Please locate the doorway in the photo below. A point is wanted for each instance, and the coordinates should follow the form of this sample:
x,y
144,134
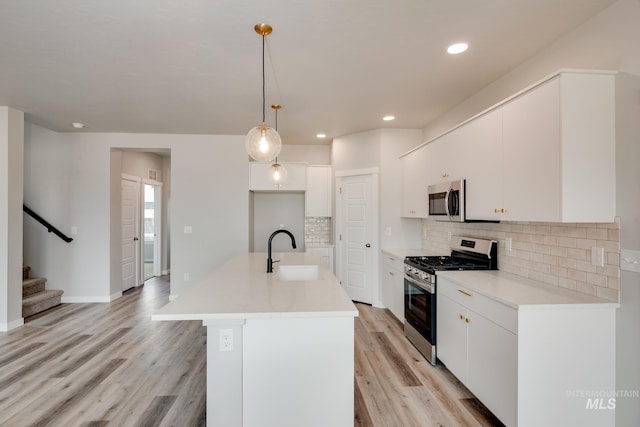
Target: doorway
x,y
130,207
357,237
152,225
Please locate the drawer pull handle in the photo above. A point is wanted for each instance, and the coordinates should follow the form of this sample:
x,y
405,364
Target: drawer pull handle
x,y
467,320
461,317
464,293
391,273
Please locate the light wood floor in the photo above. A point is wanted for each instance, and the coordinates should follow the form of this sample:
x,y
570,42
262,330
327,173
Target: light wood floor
x,y
108,364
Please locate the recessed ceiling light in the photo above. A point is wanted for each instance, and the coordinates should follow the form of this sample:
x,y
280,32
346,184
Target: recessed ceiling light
x,y
321,135
457,48
77,125
388,118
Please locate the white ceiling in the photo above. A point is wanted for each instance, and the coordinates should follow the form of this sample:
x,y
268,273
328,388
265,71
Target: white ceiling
x,y
194,66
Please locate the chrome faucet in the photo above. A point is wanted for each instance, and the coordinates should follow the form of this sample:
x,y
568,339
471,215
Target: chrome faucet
x,y
269,260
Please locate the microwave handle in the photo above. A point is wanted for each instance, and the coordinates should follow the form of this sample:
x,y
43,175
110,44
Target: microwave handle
x,y
446,203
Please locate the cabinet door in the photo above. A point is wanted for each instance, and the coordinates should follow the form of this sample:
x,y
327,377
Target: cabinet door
x,y
393,287
492,366
481,159
318,195
451,336
531,132
260,177
414,184
443,159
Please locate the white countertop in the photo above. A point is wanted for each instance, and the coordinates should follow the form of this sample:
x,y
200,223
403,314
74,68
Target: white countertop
x,y
241,289
522,293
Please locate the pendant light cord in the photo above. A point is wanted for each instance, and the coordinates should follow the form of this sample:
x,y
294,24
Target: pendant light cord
x,y
263,83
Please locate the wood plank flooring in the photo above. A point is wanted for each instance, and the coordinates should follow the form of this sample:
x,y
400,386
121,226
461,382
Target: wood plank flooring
x,y
110,365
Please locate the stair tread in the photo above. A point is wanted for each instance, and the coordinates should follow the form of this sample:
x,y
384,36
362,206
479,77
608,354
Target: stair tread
x,y
41,296
33,280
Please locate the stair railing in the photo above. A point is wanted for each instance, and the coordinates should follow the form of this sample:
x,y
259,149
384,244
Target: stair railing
x,y
50,228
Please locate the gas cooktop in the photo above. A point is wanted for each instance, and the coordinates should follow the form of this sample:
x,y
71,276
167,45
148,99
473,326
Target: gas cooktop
x,y
467,253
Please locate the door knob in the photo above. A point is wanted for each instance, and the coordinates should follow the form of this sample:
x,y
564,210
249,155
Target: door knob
x,y
135,239
368,245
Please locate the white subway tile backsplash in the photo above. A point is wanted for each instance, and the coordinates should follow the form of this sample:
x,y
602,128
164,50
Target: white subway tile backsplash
x,y
317,230
557,254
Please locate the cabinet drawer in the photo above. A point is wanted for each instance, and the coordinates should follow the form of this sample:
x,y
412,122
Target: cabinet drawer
x,y
495,311
393,261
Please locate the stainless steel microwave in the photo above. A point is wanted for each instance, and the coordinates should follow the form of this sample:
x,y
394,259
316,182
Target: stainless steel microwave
x,y
446,201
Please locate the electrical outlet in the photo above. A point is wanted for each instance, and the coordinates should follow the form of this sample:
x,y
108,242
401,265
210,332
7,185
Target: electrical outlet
x,y
448,236
388,231
186,277
508,243
424,233
188,229
226,340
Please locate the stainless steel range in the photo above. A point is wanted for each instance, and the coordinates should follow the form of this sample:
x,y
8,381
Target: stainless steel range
x,y
420,279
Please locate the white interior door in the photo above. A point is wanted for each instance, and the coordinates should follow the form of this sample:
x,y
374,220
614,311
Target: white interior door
x,y
130,232
355,236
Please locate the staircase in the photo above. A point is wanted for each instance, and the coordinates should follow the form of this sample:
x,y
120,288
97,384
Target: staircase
x,y
35,298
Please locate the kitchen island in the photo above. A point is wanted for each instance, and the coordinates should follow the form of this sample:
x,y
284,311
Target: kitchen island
x,y
280,346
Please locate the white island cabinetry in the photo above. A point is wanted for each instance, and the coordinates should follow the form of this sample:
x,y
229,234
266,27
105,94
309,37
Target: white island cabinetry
x,y
520,346
279,352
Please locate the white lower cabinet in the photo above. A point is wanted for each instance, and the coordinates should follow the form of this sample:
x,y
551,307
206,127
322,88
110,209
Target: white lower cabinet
x,y
543,364
393,284
479,352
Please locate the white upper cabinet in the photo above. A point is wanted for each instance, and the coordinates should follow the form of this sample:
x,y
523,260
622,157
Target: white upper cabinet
x,y
559,150
546,154
317,199
414,184
261,173
444,162
481,158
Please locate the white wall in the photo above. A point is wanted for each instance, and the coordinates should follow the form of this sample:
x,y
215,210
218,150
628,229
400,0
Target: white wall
x,y
11,178
270,211
405,232
382,148
357,151
138,163
311,154
607,41
69,179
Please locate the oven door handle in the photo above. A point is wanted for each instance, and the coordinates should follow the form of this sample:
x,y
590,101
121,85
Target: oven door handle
x,y
424,286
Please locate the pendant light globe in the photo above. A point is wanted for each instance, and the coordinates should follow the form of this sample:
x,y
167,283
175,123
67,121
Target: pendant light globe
x,y
263,143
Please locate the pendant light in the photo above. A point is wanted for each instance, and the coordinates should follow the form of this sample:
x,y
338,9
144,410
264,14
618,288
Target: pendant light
x,y
263,143
277,173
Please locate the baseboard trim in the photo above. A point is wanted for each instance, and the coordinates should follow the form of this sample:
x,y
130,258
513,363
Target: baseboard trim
x,y
80,300
166,272
172,297
6,327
